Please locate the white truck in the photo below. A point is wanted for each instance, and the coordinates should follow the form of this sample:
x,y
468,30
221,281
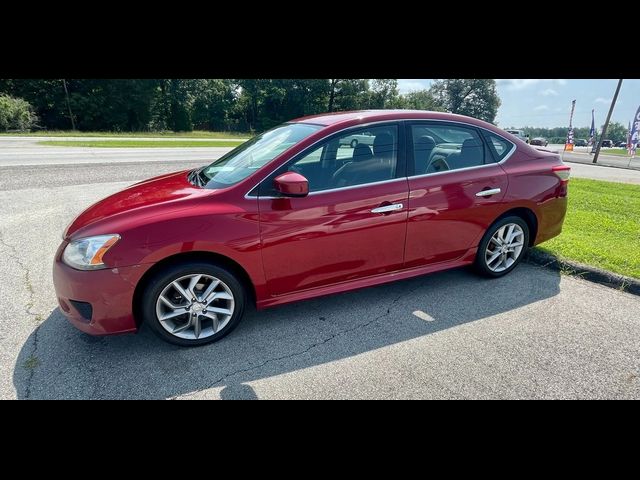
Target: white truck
x,y
520,134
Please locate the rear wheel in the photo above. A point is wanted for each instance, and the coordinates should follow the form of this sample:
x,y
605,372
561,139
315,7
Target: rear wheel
x,y
193,303
502,246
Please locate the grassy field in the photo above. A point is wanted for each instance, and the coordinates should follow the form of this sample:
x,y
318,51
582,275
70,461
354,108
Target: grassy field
x,y
602,227
614,151
194,134
142,143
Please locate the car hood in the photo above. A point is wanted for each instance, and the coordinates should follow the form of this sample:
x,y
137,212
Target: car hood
x,y
148,194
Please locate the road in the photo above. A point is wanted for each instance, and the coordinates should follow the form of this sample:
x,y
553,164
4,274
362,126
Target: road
x,y
25,163
612,168
532,334
583,155
609,174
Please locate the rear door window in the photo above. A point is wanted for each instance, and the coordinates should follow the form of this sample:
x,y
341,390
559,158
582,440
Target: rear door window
x,y
444,147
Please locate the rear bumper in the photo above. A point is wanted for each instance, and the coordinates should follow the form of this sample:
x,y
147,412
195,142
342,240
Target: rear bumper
x,y
109,294
551,217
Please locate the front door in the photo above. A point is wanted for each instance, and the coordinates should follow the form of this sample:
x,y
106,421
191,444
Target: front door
x,y
353,222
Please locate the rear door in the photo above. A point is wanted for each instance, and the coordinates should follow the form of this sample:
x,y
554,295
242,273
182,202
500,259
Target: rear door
x,y
456,188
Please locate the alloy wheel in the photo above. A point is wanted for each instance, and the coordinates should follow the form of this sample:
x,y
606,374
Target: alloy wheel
x,y
195,306
504,248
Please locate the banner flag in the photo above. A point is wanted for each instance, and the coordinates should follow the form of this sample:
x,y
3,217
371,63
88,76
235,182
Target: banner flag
x,y
635,133
592,131
569,143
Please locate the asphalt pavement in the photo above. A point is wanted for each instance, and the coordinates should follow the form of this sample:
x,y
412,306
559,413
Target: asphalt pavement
x,y
532,334
611,168
23,162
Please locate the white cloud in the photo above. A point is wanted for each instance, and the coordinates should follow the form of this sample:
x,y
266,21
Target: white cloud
x,y
521,83
606,101
540,108
547,92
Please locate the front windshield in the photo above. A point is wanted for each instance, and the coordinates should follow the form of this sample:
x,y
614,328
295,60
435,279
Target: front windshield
x,y
244,160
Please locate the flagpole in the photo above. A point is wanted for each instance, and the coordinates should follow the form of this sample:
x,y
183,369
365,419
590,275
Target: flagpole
x,y
629,150
606,122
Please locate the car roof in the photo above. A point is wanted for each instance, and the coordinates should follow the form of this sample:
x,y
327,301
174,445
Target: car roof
x,y
356,117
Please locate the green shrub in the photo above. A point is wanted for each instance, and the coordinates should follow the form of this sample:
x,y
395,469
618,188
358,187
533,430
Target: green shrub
x,y
15,114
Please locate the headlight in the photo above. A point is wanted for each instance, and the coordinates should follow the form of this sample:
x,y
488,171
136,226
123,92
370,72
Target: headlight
x,y
87,253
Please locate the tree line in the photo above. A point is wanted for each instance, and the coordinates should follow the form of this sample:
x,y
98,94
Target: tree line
x,y
244,105
616,132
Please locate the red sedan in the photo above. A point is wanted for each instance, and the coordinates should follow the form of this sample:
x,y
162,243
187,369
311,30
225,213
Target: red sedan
x,y
297,212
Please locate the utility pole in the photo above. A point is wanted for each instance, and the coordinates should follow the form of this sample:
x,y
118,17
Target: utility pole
x,y
66,94
606,122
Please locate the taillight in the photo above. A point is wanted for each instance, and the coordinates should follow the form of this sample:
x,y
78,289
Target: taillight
x,y
563,172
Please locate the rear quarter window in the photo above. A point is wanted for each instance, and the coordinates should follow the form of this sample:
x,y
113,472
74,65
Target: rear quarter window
x,y
500,147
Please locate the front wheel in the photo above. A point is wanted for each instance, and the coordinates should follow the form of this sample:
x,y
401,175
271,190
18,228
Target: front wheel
x,y
502,246
193,303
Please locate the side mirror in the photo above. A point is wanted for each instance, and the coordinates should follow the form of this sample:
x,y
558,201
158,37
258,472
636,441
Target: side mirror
x,y
291,184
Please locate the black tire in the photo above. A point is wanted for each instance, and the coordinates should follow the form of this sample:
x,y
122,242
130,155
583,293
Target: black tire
x,y
481,263
354,143
164,277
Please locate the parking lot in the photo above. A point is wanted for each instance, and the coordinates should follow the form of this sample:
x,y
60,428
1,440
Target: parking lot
x,y
532,334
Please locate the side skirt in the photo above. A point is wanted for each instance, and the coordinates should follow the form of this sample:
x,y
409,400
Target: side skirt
x,y
467,259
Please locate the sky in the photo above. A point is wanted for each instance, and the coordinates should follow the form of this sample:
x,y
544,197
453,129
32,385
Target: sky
x,y
547,102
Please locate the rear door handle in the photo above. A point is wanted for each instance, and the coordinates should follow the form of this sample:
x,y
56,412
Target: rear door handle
x,y
488,193
388,208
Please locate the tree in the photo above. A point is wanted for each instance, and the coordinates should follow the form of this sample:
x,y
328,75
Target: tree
x,y
15,114
351,94
218,104
616,132
96,104
476,98
419,100
46,96
212,103
384,93
252,92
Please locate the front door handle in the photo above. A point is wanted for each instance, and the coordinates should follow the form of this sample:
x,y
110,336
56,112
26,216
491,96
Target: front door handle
x,y
388,208
488,193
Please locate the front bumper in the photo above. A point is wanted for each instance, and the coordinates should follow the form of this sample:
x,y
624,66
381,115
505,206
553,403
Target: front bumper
x,y
109,293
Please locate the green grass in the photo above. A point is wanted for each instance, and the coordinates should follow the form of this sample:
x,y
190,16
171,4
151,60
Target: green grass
x,y
602,227
194,134
615,151
142,143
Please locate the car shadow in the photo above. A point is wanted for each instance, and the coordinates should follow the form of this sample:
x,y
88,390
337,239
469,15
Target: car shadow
x,y
59,362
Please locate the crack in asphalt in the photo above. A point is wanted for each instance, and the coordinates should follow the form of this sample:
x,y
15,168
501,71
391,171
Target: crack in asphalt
x,y
13,254
301,352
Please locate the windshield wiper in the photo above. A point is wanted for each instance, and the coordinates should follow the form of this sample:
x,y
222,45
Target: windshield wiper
x,y
202,177
194,177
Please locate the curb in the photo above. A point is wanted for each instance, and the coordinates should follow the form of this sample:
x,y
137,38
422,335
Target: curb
x,y
586,272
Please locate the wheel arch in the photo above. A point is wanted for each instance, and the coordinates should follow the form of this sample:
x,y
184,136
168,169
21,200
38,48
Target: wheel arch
x,y
528,216
214,258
